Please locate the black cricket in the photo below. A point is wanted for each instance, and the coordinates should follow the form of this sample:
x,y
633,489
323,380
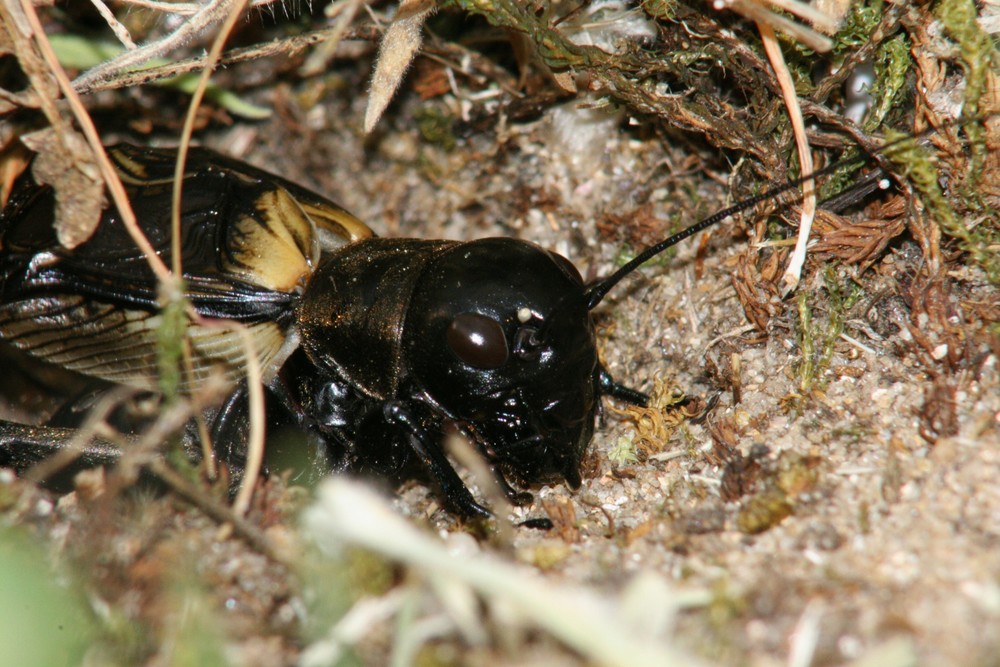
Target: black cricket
x,y
373,347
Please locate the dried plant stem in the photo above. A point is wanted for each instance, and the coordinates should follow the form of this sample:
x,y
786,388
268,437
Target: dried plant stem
x,y
807,12
279,47
212,13
93,426
793,272
255,390
754,10
182,8
320,58
217,511
255,446
235,9
121,32
20,27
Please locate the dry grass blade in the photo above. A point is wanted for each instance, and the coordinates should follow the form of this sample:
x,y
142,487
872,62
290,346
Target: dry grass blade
x,y
182,8
95,425
255,446
793,271
823,19
121,32
562,513
591,624
319,59
287,47
218,512
755,10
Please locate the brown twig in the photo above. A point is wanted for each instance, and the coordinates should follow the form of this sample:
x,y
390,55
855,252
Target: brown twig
x,y
217,511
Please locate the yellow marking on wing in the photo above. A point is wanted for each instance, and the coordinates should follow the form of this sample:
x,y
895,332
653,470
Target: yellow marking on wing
x,y
277,248
130,171
338,221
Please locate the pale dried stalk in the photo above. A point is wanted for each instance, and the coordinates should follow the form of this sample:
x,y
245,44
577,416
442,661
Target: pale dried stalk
x,y
219,512
94,425
212,60
183,8
318,60
255,389
821,20
208,15
121,32
278,47
755,11
597,626
790,279
255,445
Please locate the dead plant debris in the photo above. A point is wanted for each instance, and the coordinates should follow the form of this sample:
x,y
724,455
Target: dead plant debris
x,y
821,504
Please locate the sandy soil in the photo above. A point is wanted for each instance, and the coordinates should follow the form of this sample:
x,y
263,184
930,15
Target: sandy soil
x,y
808,506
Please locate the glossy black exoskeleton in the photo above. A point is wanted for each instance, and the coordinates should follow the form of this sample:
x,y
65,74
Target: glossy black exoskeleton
x,y
374,348
377,346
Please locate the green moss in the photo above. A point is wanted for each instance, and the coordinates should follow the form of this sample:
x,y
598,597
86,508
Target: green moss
x,y
436,127
978,57
818,340
841,300
807,343
170,342
858,26
892,67
623,453
916,164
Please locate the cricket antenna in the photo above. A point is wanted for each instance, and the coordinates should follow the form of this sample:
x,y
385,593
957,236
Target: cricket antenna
x,y
596,293
599,290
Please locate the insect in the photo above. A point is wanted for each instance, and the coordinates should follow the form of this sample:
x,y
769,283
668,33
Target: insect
x,y
375,347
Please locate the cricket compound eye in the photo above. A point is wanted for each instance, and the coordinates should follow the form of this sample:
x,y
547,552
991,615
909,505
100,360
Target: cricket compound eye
x,y
478,340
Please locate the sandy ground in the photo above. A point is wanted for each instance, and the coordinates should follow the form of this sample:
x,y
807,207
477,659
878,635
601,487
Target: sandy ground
x,y
889,537
854,530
